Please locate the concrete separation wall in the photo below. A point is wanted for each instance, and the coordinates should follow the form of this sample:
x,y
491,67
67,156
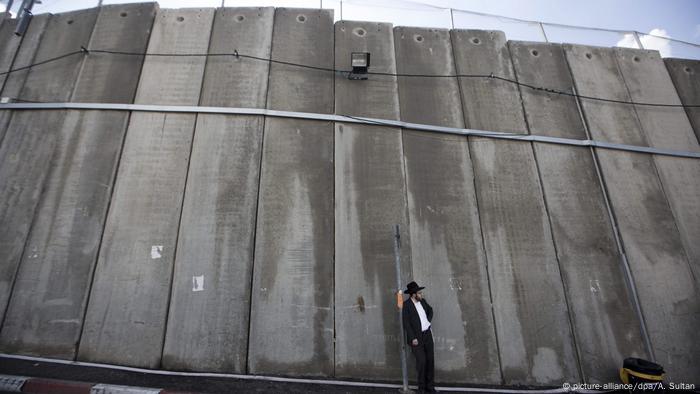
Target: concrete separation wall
x,y
248,244
370,196
16,56
128,305
590,264
208,319
36,133
291,328
67,228
684,73
652,242
446,244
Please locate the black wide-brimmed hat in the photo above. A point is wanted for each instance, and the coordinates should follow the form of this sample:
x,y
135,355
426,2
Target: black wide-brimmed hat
x,y
413,288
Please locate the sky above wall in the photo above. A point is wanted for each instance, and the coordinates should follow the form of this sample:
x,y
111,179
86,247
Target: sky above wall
x,y
679,19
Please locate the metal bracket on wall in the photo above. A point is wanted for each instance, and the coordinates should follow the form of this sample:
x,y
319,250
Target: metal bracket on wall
x,y
348,119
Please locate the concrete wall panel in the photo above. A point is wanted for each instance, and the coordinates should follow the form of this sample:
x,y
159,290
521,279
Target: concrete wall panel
x,y
370,200
45,315
535,343
10,45
209,311
684,74
24,55
659,264
127,309
32,135
302,36
590,263
668,128
446,244
291,329
109,78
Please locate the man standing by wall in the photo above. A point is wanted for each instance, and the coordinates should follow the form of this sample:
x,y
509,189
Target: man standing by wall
x,y
417,316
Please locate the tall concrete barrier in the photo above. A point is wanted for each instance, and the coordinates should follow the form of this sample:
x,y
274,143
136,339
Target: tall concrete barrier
x,y
209,310
684,74
446,246
26,154
591,265
659,264
45,314
10,45
535,343
128,304
22,56
291,327
370,195
667,128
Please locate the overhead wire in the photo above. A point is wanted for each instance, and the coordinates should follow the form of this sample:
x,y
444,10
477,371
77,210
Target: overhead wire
x,y
238,55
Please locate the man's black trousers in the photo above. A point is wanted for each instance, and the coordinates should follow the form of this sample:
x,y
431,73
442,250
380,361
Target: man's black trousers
x,y
425,361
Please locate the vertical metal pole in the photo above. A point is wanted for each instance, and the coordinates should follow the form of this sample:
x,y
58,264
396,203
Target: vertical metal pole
x,y
399,287
636,38
452,18
544,34
8,8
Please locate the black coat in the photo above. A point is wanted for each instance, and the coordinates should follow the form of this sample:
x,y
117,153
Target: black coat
x,y
411,320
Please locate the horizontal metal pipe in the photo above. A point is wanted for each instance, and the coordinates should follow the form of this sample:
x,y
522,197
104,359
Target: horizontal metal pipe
x,y
347,119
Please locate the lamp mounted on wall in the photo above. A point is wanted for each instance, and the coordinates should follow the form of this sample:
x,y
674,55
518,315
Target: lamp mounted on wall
x,y
25,16
360,63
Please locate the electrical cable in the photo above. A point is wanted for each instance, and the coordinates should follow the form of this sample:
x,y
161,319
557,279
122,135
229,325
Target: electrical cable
x,y
238,55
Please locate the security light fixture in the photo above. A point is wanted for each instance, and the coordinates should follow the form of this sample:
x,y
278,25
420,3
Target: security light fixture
x,y
25,16
360,63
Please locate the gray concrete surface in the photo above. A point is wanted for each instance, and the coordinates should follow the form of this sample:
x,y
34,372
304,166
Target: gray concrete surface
x,y
370,195
209,311
302,211
127,309
535,344
659,264
446,245
10,45
24,56
29,143
684,74
8,51
647,80
291,328
65,236
591,266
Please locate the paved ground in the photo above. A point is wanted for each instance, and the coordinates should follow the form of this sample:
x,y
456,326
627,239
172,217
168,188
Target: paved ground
x,y
180,383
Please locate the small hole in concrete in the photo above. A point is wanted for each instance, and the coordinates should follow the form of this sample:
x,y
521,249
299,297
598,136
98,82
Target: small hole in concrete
x,y
70,21
636,58
589,56
301,18
240,18
687,69
123,14
360,31
535,52
418,38
476,41
180,19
